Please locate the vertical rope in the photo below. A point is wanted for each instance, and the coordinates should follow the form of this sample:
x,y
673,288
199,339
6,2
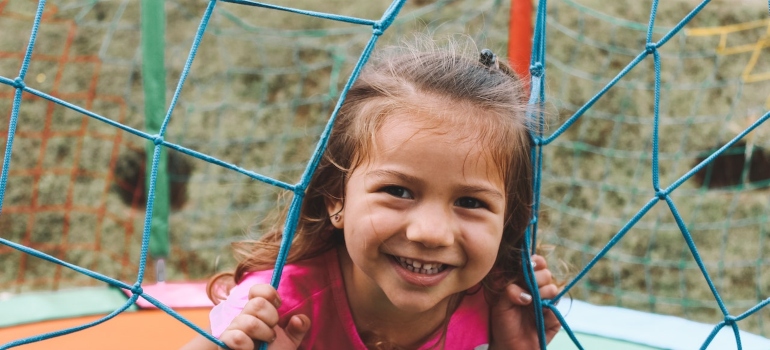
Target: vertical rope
x,y
536,115
18,83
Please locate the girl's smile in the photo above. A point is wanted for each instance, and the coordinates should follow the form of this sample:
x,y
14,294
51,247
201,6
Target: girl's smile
x,y
423,213
421,274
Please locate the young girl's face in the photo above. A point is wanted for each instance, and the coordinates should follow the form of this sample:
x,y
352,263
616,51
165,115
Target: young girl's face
x,y
423,214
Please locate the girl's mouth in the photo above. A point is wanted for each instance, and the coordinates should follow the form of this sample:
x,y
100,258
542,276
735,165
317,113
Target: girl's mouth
x,y
419,266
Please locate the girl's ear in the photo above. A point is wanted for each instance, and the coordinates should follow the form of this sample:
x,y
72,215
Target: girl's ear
x,y
335,209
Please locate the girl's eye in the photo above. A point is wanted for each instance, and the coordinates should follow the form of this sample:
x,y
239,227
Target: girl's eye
x,y
470,203
396,191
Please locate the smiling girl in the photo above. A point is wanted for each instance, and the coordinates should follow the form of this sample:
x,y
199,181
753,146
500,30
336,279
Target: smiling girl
x,y
411,231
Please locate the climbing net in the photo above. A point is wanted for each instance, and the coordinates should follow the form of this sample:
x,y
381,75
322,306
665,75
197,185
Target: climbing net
x,y
159,142
85,187
597,174
639,182
578,124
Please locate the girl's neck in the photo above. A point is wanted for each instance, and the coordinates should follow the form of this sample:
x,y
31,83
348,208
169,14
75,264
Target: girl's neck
x,y
373,312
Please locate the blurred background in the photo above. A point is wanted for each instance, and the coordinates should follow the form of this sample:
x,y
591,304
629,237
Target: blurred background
x,y
264,82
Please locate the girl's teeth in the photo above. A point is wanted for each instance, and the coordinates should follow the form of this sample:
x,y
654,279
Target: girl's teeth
x,y
418,267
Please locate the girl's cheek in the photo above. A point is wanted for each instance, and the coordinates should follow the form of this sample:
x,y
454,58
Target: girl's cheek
x,y
388,222
483,242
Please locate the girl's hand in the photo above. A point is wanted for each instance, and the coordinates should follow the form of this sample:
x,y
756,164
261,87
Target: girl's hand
x,y
513,319
258,322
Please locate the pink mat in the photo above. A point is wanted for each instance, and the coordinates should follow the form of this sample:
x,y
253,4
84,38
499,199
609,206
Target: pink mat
x,y
175,295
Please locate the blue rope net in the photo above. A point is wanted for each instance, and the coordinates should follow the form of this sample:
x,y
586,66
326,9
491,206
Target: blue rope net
x,y
298,189
260,109
657,193
595,174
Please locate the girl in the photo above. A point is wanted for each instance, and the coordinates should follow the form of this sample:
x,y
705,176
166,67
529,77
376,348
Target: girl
x,y
411,228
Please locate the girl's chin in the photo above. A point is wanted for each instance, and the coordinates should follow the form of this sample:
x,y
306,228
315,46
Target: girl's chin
x,y
417,304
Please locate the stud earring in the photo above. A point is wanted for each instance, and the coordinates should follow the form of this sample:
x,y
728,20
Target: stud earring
x,y
336,217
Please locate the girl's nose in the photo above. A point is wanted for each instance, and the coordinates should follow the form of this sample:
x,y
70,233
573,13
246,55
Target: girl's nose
x,y
432,227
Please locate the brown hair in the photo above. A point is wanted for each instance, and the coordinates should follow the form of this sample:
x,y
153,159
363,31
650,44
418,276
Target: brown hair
x,y
390,82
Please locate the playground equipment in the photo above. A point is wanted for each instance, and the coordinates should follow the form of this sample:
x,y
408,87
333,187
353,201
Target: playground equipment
x,y
252,111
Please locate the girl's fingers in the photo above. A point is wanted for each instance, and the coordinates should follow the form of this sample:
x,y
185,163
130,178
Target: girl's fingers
x,y
538,262
263,310
235,339
520,296
253,328
297,328
543,277
549,291
267,292
517,295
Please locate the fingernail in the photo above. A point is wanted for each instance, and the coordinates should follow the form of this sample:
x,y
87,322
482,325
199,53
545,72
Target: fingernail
x,y
526,297
277,303
534,264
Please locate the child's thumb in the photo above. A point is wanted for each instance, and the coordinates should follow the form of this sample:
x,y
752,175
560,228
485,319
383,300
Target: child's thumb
x,y
297,328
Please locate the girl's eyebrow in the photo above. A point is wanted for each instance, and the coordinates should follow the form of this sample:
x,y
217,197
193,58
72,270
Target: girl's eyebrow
x,y
393,173
484,190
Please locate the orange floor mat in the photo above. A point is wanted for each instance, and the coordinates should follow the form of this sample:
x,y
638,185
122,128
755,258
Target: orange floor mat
x,y
145,329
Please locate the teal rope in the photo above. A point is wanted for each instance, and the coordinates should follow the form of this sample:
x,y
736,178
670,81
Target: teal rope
x,y
18,83
536,115
294,209
378,27
651,49
299,189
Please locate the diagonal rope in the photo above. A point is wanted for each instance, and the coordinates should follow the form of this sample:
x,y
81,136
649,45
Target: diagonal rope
x,y
378,28
650,50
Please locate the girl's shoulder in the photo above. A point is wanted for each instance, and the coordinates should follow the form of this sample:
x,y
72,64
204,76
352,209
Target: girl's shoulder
x,y
307,270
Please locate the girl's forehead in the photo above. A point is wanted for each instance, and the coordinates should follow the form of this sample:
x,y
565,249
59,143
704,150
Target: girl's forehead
x,y
440,121
413,137
428,164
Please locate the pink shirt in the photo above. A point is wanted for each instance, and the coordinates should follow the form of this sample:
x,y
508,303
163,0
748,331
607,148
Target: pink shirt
x,y
314,287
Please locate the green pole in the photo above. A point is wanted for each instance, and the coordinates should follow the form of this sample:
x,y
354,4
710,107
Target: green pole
x,y
154,84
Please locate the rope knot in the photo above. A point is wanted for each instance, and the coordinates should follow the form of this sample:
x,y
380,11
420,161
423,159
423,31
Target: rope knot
x,y
537,141
377,29
137,289
299,188
157,140
730,320
661,194
536,70
19,83
533,221
650,48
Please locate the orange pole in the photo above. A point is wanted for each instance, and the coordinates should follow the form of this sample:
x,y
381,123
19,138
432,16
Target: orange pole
x,y
520,37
